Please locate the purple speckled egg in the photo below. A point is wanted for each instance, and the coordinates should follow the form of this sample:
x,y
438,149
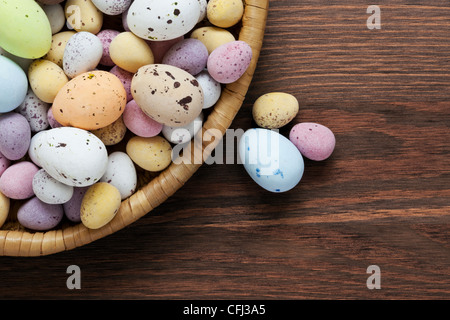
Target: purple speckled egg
x,y
190,55
125,77
314,141
73,206
139,123
39,216
16,182
4,163
228,62
51,119
15,135
159,48
106,36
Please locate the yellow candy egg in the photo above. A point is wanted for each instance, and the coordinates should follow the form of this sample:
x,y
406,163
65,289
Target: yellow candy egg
x,y
130,60
4,208
212,37
113,133
274,110
83,15
56,52
152,154
100,205
46,79
225,13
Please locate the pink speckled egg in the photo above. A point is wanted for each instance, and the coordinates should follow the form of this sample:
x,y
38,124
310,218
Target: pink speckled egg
x,y
16,181
126,78
139,123
39,216
228,62
106,36
314,141
189,54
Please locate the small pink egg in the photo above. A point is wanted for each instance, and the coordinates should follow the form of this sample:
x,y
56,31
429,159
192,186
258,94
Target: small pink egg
x,y
139,123
16,181
314,141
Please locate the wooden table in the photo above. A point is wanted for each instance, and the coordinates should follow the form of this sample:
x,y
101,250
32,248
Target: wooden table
x,y
382,199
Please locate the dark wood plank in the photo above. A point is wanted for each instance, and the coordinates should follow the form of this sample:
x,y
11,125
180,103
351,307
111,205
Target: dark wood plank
x,y
383,198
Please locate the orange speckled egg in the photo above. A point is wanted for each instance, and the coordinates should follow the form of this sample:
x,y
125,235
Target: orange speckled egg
x,y
90,101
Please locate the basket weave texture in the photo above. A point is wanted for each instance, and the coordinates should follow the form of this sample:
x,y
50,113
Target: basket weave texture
x,y
14,241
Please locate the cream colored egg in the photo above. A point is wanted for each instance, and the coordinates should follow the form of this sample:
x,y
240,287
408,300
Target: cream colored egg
x,y
113,133
225,13
46,78
130,60
100,205
152,154
83,15
275,110
4,208
56,52
212,37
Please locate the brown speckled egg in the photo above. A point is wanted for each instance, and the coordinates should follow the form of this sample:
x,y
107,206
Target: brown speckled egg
x,y
167,94
90,101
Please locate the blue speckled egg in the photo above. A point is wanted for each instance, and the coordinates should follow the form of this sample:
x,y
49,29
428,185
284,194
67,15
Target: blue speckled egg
x,y
271,160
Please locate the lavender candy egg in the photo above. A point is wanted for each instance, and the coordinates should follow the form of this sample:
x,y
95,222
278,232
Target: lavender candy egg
x,y
72,208
106,37
228,62
49,190
125,77
189,54
35,111
51,119
315,141
17,180
39,216
15,135
140,123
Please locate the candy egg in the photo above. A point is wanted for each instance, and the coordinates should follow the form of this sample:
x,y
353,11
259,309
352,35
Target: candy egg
x,y
112,7
15,135
24,29
56,16
82,53
271,160
35,111
51,119
39,216
46,79
211,89
162,20
100,204
152,154
203,9
73,206
189,54
121,173
167,94
90,101
275,110
70,155
59,42
125,77
139,123
130,60
49,190
83,15
112,134
106,37
17,180
4,208
227,63
13,85
212,37
314,141
225,13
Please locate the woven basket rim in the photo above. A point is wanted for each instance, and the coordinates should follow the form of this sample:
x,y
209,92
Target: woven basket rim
x,y
160,188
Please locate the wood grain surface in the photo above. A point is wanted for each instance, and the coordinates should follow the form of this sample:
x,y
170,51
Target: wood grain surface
x,y
383,198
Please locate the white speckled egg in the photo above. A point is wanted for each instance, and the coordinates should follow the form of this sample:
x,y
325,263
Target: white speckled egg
x,y
180,135
163,20
82,53
72,156
211,89
112,7
271,160
49,190
121,173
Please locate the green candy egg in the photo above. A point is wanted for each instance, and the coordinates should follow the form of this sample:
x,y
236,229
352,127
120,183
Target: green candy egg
x,y
24,29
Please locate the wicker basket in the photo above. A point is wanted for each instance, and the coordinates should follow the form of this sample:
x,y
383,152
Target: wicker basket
x,y
154,190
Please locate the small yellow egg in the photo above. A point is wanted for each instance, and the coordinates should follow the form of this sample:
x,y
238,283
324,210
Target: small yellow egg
x,y
130,60
275,110
113,133
212,37
56,52
225,13
46,79
4,208
152,154
83,15
100,205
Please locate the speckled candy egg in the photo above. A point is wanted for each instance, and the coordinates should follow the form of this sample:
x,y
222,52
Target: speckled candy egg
x,y
163,20
46,79
211,89
152,154
189,54
35,111
100,204
17,180
112,134
49,190
112,7
90,101
106,37
82,53
180,135
271,160
39,216
73,206
125,77
15,135
83,15
4,208
227,63
70,155
167,94
275,110
139,123
13,85
130,60
314,141
212,37
121,173
225,13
